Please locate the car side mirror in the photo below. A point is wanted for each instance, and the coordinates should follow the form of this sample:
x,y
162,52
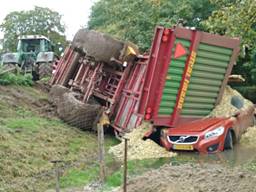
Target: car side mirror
x,y
237,102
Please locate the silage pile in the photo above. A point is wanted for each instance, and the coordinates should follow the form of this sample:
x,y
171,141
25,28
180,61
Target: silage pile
x,y
138,148
249,137
225,108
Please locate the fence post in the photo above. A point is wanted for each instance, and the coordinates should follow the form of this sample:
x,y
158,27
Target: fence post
x,y
125,164
55,162
101,151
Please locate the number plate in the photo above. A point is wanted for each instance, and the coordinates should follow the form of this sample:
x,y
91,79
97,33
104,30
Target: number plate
x,y
183,147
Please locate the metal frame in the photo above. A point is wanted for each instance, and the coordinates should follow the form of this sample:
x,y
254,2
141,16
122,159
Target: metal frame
x,y
127,116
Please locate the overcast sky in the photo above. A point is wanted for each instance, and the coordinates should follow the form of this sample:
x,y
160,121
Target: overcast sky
x,y
75,13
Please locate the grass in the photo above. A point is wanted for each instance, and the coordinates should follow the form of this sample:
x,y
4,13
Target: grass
x,y
28,123
16,79
30,141
78,177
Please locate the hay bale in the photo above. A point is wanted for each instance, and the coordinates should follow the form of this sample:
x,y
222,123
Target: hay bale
x,y
139,149
100,46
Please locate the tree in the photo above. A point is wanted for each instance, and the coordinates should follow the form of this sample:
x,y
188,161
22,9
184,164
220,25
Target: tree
x,y
41,21
135,20
237,18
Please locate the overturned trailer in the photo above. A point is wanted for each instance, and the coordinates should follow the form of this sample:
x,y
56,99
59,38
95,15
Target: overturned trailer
x,y
109,72
178,83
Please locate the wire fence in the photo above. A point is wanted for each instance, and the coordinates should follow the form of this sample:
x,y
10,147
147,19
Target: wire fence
x,y
45,179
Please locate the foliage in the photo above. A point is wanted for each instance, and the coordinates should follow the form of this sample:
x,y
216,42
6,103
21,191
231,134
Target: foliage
x,y
136,20
40,21
237,18
76,177
16,79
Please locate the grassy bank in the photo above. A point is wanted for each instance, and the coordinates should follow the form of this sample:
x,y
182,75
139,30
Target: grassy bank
x,y
30,139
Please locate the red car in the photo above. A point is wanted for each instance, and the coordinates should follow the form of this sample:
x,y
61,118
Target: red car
x,y
208,135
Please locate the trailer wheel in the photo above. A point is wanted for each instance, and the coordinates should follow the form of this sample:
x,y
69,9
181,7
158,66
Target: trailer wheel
x,y
76,113
228,141
45,70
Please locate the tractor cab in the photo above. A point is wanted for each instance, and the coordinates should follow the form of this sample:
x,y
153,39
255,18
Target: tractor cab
x,y
34,55
34,43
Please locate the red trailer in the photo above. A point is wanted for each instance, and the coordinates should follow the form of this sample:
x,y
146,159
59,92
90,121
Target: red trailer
x,y
187,73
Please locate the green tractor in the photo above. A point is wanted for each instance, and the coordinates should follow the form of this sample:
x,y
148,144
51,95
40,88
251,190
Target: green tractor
x,y
35,55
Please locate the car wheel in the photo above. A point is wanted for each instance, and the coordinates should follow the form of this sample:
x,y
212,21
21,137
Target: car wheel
x,y
228,141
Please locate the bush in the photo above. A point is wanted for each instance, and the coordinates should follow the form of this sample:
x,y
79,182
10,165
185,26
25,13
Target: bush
x,y
16,79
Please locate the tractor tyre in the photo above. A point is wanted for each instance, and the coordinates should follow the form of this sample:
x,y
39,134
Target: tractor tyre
x,y
9,66
228,141
45,70
77,113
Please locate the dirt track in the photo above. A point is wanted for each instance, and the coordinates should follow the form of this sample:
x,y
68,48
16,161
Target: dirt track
x,y
193,178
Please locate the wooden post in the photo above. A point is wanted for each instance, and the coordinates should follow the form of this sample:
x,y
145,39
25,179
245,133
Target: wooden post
x,y
101,151
125,164
57,179
57,174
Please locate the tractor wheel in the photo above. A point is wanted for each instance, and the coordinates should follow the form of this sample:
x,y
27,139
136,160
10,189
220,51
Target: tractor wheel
x,y
9,66
45,70
228,141
77,113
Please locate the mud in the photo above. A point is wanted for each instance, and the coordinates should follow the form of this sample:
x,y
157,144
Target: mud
x,y
35,100
194,178
56,94
138,148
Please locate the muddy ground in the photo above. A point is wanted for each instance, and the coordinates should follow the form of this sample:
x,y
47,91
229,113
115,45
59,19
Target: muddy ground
x,y
193,178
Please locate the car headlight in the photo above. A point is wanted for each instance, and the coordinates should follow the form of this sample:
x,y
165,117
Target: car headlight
x,y
214,133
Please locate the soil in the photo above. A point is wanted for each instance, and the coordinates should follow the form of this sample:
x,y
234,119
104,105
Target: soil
x,y
34,99
194,178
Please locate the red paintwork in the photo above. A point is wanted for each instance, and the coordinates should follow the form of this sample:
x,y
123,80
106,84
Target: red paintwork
x,y
200,127
158,64
126,116
179,51
118,89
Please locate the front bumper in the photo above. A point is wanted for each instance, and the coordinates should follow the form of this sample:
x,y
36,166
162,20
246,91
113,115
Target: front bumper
x,y
200,144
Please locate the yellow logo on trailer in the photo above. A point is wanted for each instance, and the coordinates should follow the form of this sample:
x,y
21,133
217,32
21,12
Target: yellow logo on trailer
x,y
187,79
